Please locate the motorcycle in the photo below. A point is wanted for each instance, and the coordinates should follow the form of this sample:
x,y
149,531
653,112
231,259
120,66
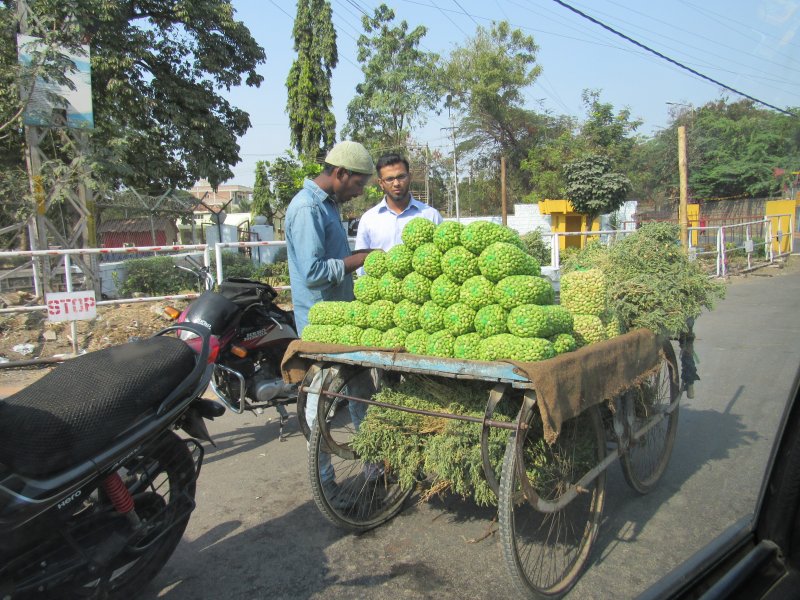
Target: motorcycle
x,y
96,488
253,339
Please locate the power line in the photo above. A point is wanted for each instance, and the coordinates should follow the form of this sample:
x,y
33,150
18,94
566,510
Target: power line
x,y
683,30
281,9
446,16
357,7
668,59
719,18
465,12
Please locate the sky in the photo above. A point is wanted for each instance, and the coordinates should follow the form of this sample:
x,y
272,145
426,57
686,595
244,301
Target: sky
x,y
752,46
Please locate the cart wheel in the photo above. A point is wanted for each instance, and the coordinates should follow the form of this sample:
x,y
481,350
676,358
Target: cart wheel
x,y
545,551
362,495
647,458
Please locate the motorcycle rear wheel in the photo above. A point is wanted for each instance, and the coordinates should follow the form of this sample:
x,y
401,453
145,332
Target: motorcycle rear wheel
x,y
161,479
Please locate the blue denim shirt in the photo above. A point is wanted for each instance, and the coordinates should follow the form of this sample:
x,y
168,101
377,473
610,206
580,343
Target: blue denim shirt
x,y
316,243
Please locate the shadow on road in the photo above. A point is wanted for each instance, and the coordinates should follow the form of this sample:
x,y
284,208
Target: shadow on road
x,y
704,437
250,562
248,437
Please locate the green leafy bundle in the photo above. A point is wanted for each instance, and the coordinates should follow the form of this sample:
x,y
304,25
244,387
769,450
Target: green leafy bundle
x,y
437,296
650,280
446,450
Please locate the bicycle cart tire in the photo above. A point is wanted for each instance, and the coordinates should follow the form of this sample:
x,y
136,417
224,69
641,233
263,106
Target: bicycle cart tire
x,y
646,459
302,397
364,495
545,552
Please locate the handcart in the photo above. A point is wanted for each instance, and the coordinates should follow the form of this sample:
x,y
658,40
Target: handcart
x,y
614,399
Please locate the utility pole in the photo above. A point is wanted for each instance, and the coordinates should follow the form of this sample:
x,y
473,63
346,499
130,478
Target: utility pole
x,y
427,174
503,208
37,225
452,129
683,175
81,198
683,212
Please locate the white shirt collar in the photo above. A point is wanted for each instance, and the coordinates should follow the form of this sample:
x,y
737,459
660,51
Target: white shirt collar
x,y
412,203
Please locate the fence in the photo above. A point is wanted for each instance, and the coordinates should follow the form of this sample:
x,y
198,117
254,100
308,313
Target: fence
x,y
720,249
73,277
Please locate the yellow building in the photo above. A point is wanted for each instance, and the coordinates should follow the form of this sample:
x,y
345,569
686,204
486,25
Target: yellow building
x,y
564,219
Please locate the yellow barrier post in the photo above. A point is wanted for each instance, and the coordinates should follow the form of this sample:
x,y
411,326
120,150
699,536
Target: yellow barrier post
x,y
781,216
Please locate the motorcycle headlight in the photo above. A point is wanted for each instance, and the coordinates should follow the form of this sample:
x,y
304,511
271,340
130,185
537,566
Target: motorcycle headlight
x,y
186,335
195,342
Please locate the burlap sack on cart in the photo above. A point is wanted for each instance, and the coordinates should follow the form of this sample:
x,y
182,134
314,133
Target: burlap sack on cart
x,y
565,385
571,382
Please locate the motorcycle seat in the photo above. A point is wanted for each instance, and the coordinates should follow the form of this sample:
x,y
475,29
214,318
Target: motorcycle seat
x,y
77,409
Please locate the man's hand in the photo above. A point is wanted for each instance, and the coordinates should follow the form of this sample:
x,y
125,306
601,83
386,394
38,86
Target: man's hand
x,y
356,260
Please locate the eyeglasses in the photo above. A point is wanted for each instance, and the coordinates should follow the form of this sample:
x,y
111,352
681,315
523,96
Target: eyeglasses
x,y
402,177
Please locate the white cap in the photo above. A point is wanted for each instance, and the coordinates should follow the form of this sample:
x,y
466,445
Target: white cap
x,y
351,156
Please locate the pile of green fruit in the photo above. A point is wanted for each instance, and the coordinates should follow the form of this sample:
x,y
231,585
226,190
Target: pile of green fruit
x,y
584,294
467,292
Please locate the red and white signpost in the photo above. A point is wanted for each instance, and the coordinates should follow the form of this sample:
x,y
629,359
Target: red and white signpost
x,y
71,306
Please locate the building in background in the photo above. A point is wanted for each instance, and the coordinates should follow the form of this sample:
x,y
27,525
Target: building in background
x,y
141,231
230,197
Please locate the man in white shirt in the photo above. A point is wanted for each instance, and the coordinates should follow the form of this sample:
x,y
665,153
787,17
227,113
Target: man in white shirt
x,y
381,225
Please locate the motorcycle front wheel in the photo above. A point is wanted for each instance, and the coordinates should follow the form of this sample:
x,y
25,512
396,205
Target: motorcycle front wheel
x,y
161,479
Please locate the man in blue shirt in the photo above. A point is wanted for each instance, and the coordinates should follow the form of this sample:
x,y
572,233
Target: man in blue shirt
x,y
321,267
381,225
320,261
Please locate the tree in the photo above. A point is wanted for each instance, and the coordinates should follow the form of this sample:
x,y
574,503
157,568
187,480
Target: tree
x,y
487,78
557,146
277,182
400,82
602,133
311,121
593,188
605,132
263,198
734,149
157,68
737,148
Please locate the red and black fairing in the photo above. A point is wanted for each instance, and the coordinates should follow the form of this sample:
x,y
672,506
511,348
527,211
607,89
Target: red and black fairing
x,y
244,316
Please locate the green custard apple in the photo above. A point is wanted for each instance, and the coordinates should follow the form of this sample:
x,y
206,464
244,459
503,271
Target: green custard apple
x,y
417,231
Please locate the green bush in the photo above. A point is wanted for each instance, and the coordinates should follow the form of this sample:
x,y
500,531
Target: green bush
x,y
533,243
235,265
650,280
276,270
155,276
277,275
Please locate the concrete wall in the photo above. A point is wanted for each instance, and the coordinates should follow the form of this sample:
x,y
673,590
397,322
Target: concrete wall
x,y
525,218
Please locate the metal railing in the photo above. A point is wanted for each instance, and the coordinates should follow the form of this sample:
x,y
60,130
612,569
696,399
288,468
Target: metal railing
x,y
69,273
757,243
730,242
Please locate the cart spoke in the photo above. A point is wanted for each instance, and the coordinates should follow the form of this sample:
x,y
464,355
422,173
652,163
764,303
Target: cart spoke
x,y
546,550
650,406
350,492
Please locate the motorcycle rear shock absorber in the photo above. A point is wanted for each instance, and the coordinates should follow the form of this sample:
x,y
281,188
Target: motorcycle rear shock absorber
x,y
121,498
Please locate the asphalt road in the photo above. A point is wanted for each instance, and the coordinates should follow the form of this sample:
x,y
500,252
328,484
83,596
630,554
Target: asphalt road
x,y
256,532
